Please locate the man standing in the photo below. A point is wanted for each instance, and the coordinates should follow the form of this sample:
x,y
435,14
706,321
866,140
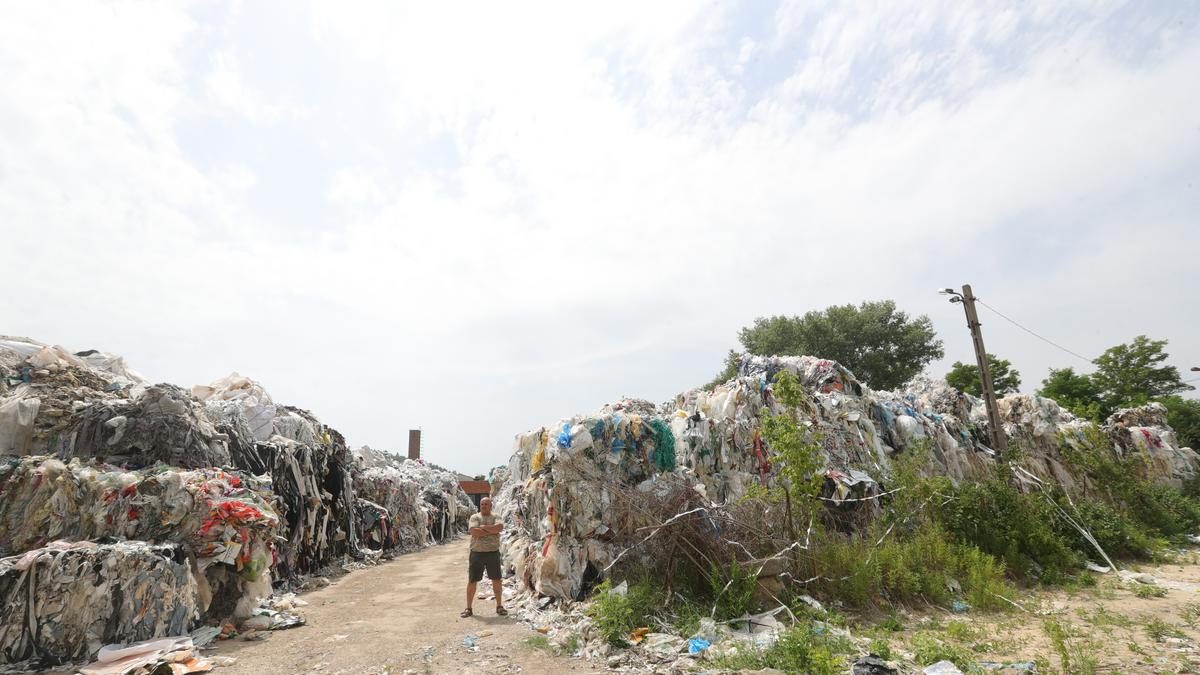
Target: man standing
x,y
485,554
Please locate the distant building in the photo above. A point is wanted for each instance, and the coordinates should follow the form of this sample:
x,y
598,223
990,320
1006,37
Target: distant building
x,y
475,489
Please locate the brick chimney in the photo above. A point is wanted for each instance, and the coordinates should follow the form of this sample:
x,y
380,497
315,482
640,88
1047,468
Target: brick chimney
x,y
414,444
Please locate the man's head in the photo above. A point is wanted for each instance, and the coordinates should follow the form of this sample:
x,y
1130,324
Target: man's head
x,y
485,506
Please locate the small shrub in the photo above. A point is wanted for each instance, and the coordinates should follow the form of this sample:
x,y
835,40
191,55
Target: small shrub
x,y
732,591
538,642
1102,617
881,648
1191,614
617,614
963,631
1073,655
892,623
571,645
685,617
928,649
798,650
1158,630
1146,591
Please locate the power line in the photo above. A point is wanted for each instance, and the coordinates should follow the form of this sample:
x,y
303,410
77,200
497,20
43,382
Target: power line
x,y
1043,339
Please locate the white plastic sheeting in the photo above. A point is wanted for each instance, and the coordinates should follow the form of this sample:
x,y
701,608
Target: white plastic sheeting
x,y
250,396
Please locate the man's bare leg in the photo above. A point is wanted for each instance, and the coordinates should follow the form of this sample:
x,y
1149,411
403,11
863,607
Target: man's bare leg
x,y
470,593
498,589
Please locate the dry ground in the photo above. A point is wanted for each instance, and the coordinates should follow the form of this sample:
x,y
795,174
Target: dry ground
x,y
399,616
1107,628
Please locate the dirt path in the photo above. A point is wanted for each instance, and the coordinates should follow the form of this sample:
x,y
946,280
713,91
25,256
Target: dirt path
x,y
399,616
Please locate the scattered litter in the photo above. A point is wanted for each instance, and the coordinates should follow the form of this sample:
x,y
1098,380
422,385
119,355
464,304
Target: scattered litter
x,y
638,635
1017,667
662,646
471,643
205,636
872,665
1095,567
942,668
697,645
175,655
959,607
269,619
1139,577
811,602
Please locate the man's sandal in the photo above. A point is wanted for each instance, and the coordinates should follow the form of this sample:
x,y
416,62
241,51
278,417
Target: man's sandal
x,y
467,613
501,611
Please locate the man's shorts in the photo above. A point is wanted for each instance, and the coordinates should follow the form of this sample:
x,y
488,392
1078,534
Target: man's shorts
x,y
481,560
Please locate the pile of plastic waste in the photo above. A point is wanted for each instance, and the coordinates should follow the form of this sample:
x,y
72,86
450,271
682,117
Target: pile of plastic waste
x,y
246,491
42,387
560,503
61,603
426,503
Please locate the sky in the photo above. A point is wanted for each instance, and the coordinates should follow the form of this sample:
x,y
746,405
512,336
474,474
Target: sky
x,y
479,219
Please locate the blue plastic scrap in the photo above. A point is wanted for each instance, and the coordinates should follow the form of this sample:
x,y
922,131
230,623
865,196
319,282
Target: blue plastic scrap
x,y
697,645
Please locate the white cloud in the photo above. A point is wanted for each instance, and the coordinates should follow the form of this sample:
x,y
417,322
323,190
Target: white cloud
x,y
227,88
434,219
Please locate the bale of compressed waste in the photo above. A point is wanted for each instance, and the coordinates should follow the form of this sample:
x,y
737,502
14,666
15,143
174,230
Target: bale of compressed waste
x,y
426,502
401,498
165,424
316,503
375,527
226,521
42,387
63,602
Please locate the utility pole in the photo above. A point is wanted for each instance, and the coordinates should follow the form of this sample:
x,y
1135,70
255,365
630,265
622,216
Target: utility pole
x,y
999,439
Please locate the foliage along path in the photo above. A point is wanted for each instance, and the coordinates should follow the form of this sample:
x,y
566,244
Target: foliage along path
x,y
400,616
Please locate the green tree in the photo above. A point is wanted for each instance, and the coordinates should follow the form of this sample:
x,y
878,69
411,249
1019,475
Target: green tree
x,y
966,377
1077,393
1132,374
1126,375
1183,415
884,347
729,371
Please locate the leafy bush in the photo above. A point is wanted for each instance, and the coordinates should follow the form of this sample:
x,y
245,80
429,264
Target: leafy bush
x,y
617,614
1115,531
1015,527
921,566
1154,509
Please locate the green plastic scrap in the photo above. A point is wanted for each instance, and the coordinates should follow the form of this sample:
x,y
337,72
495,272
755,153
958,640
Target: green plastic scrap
x,y
664,446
